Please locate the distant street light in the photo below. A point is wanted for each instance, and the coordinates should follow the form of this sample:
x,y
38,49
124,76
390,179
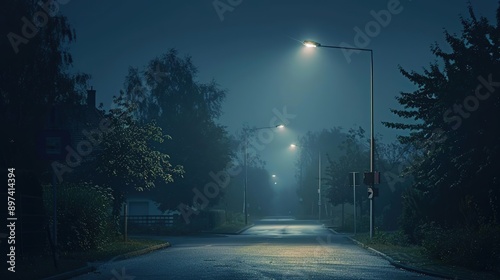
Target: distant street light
x,y
246,131
293,146
275,182
312,44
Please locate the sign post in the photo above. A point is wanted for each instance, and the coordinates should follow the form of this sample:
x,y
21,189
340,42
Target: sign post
x,y
371,179
319,187
354,200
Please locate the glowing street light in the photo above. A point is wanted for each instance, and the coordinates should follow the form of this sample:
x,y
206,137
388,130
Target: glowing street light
x,y
275,178
245,209
312,44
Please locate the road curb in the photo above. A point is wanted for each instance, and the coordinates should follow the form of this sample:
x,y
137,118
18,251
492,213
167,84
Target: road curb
x,y
245,228
140,252
398,264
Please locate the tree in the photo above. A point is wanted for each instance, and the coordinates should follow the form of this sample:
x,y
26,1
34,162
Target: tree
x,y
354,158
127,160
167,91
33,77
392,162
310,146
455,107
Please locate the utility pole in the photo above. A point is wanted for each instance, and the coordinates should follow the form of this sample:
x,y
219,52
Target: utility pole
x,y
319,186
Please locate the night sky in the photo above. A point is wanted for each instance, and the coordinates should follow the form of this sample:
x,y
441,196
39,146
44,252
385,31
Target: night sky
x,y
254,51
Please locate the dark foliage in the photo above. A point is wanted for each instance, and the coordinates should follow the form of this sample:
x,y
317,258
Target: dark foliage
x,y
34,77
455,109
167,92
84,218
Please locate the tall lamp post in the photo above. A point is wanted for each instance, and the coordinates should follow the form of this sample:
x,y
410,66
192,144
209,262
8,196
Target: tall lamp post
x,y
312,44
246,131
293,146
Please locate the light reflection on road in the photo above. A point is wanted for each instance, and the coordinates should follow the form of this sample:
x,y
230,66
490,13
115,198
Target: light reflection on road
x,y
274,248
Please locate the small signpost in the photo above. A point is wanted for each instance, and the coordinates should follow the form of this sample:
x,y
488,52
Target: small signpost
x,y
371,179
353,183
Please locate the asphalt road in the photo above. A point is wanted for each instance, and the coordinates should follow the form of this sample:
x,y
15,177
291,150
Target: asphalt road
x,y
272,249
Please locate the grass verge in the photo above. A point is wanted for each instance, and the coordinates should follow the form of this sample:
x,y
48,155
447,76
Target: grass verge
x,y
416,257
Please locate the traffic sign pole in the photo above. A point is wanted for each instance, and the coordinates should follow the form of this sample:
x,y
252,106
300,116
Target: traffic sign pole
x,y
371,179
371,217
319,187
354,195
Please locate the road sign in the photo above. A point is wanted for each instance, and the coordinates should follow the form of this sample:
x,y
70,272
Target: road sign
x,y
376,178
372,192
371,178
368,178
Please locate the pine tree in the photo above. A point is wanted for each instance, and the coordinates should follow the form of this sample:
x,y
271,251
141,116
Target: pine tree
x,y
452,119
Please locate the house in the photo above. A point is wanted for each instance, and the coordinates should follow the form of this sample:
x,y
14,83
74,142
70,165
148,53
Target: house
x,y
141,204
71,132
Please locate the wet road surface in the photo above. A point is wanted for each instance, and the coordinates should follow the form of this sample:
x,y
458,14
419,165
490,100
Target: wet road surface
x,y
272,249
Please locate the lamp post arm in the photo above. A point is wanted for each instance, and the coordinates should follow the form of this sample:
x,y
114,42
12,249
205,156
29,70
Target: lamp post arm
x,y
345,48
258,128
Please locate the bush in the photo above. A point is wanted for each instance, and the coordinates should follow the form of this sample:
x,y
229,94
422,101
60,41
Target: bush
x,y
398,238
235,217
477,249
362,224
84,219
216,218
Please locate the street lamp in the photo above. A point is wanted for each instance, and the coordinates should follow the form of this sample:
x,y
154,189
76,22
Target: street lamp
x,y
274,179
293,146
312,44
246,131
